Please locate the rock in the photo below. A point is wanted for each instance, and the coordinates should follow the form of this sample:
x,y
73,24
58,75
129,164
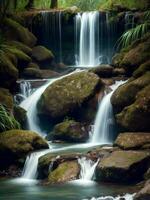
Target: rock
x,y
32,73
71,131
147,174
16,144
123,166
68,94
133,140
144,193
33,65
136,116
8,72
119,72
6,99
49,74
142,69
53,160
116,60
108,81
103,71
42,54
17,32
20,115
66,171
125,95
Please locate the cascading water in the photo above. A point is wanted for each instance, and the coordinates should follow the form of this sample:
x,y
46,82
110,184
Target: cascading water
x,y
129,20
52,37
25,88
95,38
87,168
104,122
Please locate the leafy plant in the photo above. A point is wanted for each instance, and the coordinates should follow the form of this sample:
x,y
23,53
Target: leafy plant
x,y
135,33
7,121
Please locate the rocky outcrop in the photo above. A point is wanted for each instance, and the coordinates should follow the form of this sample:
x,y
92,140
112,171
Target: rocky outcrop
x,y
16,144
123,166
67,96
71,131
144,193
128,141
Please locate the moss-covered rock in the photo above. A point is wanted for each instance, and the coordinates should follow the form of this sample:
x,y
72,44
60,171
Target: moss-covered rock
x,y
67,95
136,116
32,73
17,32
6,99
20,115
42,54
142,69
104,71
71,131
16,144
133,140
125,95
33,65
66,171
8,72
123,166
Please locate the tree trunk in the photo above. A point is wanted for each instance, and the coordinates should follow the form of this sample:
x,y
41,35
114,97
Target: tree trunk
x,y
54,4
30,5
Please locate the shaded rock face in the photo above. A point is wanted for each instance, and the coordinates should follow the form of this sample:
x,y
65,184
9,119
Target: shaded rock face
x,y
131,102
133,141
135,55
66,171
67,96
50,162
71,131
123,166
16,144
144,193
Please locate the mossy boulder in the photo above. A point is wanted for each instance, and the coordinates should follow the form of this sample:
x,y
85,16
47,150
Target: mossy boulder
x,y
20,115
42,54
16,144
142,69
144,193
33,65
136,116
125,95
6,99
103,71
71,131
54,160
66,171
123,166
67,95
133,140
8,72
32,73
19,33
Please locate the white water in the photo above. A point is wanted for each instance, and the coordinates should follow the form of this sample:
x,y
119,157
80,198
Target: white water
x,y
104,122
125,197
87,168
88,26
25,88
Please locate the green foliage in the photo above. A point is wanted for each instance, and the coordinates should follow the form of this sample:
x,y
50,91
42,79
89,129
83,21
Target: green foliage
x,y
7,121
135,33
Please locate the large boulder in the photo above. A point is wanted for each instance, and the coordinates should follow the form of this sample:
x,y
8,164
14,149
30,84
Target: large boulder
x,y
8,72
32,73
17,32
16,144
133,141
42,54
144,193
125,95
123,166
136,116
71,131
6,99
67,95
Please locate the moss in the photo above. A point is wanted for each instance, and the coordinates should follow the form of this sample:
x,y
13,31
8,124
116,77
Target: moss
x,y
6,99
142,69
20,115
40,53
18,32
32,73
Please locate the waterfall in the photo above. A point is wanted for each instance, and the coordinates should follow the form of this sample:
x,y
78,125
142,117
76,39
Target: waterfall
x,y
129,20
25,88
87,168
104,122
52,31
31,164
94,38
